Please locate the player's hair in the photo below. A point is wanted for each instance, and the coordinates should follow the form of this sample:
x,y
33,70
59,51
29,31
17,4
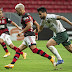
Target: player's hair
x,y
42,9
20,5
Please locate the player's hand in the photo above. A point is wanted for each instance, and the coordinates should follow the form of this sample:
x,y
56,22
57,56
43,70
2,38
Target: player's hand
x,y
19,34
19,28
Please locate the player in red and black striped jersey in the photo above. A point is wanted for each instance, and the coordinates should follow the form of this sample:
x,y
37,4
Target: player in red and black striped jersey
x,y
5,36
3,25
28,18
25,19
29,40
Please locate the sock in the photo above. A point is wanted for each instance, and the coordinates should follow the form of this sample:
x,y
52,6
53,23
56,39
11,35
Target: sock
x,y
40,52
16,48
55,52
17,55
4,47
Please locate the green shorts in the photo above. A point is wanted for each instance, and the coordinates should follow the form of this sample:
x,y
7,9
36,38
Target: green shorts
x,y
62,38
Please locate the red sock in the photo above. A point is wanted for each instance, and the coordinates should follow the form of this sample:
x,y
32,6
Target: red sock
x,y
4,47
21,53
42,53
15,50
17,55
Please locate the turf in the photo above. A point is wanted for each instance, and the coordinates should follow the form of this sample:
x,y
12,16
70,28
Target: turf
x,y
34,62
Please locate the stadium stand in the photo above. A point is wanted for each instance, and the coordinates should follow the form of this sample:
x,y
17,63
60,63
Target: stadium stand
x,y
52,6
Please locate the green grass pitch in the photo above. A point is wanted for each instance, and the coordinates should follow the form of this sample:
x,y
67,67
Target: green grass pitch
x,y
34,62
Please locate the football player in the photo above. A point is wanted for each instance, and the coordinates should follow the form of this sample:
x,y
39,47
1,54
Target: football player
x,y
5,36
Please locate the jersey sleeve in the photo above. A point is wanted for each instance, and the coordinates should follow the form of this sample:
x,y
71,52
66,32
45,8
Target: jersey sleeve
x,y
26,19
53,16
8,20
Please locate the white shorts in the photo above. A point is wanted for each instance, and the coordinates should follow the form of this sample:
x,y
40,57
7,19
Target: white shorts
x,y
29,40
6,38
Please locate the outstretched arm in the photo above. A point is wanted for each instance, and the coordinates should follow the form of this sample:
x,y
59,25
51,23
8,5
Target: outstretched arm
x,y
13,23
64,19
39,28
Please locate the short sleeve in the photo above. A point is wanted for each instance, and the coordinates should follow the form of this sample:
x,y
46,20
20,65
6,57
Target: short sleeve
x,y
53,16
8,20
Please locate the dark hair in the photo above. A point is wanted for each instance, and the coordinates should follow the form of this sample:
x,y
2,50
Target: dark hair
x,y
43,9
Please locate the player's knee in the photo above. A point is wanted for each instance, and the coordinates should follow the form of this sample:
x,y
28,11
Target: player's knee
x,y
1,40
70,49
11,46
35,50
47,45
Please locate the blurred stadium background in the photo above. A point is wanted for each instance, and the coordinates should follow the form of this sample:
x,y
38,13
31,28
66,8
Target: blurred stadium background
x,y
60,7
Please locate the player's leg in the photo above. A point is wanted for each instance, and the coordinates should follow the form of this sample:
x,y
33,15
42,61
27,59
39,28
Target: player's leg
x,y
67,44
11,45
30,40
21,47
16,56
50,45
69,48
42,53
14,48
4,47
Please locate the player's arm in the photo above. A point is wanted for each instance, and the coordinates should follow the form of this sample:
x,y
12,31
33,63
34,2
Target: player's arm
x,y
13,23
64,19
28,26
37,27
39,30
40,27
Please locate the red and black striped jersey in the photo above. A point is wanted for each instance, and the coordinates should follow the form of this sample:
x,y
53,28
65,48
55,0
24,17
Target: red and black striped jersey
x,y
3,25
25,19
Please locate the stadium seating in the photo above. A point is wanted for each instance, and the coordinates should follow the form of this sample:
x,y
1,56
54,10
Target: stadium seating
x,y
52,6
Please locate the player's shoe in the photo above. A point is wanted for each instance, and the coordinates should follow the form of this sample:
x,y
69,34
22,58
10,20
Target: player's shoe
x,y
53,60
24,55
7,54
9,66
59,62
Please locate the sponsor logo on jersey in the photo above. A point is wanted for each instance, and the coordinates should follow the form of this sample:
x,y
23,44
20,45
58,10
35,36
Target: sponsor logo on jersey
x,y
25,18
